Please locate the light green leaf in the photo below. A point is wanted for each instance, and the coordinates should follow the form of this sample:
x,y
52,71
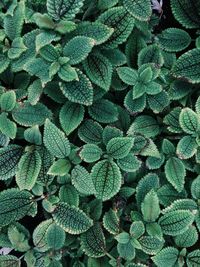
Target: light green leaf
x,y
90,153
33,135
150,207
186,147
59,167
189,121
7,126
55,140
167,257
127,75
193,258
9,260
17,48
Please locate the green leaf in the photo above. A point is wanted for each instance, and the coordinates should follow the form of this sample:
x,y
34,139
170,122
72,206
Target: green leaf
x,y
187,66
69,194
176,222
151,245
45,38
55,140
99,70
82,180
185,13
18,238
13,23
55,237
78,48
139,9
103,111
127,75
80,91
17,48
7,126
195,188
107,179
186,147
9,260
126,251
9,158
122,23
119,147
158,102
15,204
67,73
4,63
175,173
90,153
59,167
193,258
123,238
174,39
188,238
71,115
49,53
90,132
93,242
95,30
71,219
145,125
150,207
28,170
39,235
67,9
34,92
167,257
150,54
137,229
28,115
111,222
189,121
129,163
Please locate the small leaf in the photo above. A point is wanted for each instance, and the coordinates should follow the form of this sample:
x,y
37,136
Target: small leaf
x,y
127,75
150,244
71,219
111,222
7,126
186,147
119,147
55,141
17,48
55,237
28,170
90,153
9,260
107,179
137,229
175,173
150,207
59,167
90,132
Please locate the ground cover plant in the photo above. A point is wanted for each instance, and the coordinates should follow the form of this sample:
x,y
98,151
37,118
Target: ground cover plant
x,y
100,133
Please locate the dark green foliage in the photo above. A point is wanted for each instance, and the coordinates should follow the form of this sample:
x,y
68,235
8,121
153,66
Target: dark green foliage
x,y
100,133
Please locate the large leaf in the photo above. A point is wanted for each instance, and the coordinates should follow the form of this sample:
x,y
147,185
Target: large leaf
x,y
9,260
119,147
93,242
55,236
99,70
176,222
28,115
107,179
71,219
55,140
28,170
187,12
71,115
139,9
80,91
187,66
78,48
193,258
122,22
67,9
167,257
14,205
9,158
175,173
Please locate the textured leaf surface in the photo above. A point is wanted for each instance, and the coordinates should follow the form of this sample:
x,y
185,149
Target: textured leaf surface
x,y
189,121
9,158
9,260
80,91
99,70
193,258
8,100
111,222
187,66
67,9
14,205
71,219
90,153
175,173
28,170
167,257
176,222
119,147
55,141
93,242
139,9
107,179
186,147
